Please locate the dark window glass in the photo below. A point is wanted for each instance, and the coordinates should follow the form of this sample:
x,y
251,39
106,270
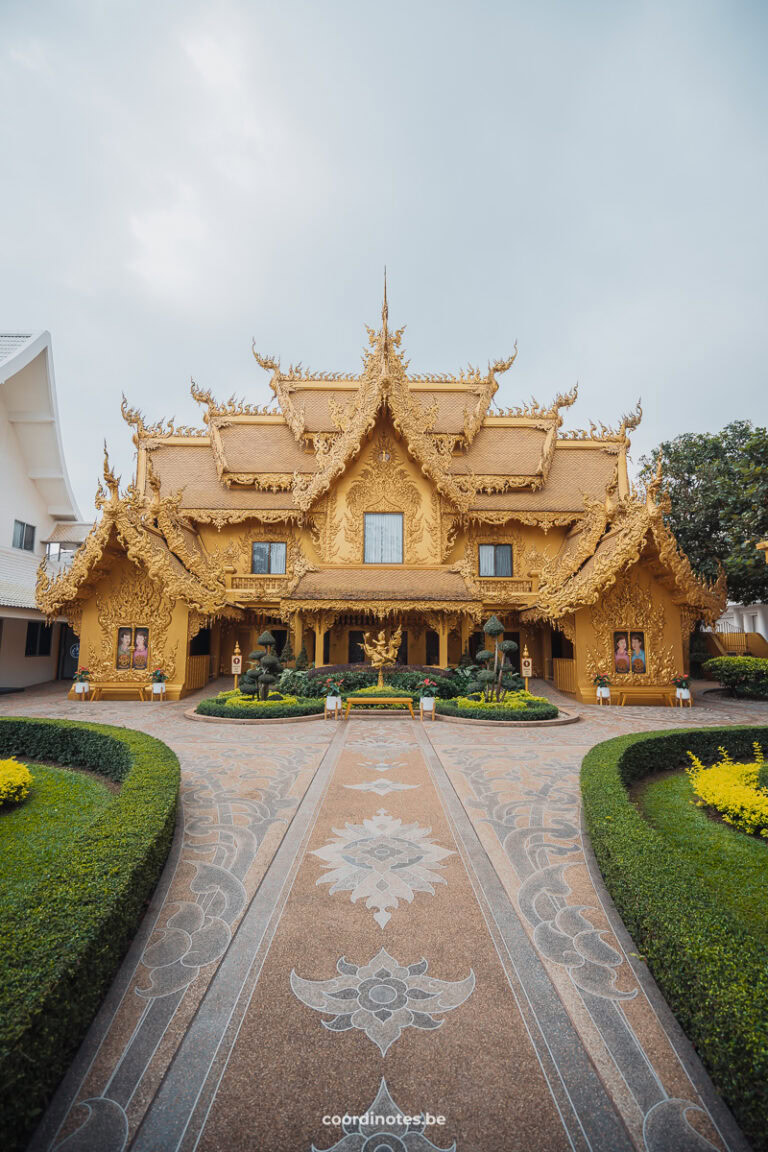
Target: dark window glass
x,y
32,631
433,647
200,645
268,558
23,536
355,654
494,560
38,641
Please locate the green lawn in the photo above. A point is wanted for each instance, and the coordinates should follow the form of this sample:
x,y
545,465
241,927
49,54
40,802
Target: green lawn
x,y
731,865
34,834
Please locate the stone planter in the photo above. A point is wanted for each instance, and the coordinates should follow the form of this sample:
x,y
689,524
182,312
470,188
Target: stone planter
x,y
158,688
604,693
427,703
683,693
81,688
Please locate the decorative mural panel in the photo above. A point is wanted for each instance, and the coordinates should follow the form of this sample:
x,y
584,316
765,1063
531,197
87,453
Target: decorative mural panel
x,y
629,626
129,613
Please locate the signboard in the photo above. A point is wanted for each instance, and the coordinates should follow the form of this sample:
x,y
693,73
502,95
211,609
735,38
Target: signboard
x,y
526,666
237,665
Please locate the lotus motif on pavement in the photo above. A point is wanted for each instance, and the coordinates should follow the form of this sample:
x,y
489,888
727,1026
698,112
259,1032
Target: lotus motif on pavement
x,y
382,861
382,997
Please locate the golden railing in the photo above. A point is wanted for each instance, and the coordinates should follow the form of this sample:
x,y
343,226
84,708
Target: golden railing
x,y
198,668
565,674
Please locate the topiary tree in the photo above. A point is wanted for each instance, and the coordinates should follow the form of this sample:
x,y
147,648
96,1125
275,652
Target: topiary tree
x,y
302,660
264,669
495,682
287,653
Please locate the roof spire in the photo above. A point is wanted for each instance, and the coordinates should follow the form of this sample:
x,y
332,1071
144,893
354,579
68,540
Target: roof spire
x,y
385,314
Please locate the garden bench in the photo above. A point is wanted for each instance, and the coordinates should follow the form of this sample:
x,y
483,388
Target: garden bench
x,y
98,690
643,694
379,700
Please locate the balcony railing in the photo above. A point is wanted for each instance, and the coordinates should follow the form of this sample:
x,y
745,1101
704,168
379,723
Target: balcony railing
x,y
257,585
510,584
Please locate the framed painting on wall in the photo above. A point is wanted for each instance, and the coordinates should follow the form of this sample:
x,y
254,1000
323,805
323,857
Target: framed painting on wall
x,y
141,649
621,661
124,638
637,652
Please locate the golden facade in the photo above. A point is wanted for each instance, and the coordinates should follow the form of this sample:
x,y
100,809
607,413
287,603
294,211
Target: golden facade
x,y
383,499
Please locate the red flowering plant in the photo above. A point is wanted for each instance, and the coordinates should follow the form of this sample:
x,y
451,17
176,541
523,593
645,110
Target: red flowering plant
x,y
602,681
427,686
158,676
332,686
82,676
682,681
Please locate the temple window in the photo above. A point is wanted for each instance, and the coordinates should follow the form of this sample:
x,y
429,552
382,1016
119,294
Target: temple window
x,y
23,536
268,558
494,560
383,538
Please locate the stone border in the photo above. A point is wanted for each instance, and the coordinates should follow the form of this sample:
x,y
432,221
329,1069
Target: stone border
x,y
391,713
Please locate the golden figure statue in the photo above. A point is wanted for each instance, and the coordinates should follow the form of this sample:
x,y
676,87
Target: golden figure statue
x,y
382,652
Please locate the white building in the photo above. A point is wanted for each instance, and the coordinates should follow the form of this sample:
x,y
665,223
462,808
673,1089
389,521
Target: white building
x,y
743,629
38,513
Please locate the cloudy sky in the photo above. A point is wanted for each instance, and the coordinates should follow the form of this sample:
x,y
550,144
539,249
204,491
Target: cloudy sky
x,y
587,178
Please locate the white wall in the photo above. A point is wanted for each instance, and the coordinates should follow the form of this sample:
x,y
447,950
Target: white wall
x,y
18,670
20,498
746,618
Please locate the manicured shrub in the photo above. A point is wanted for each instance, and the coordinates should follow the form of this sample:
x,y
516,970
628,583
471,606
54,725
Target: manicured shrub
x,y
480,710
62,939
259,709
15,781
295,682
710,968
743,675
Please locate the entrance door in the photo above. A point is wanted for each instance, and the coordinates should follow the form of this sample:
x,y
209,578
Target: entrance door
x,y
433,647
355,654
69,653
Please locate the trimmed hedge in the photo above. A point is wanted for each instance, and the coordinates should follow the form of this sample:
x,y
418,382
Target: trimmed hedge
x,y
62,942
711,970
746,676
534,712
214,707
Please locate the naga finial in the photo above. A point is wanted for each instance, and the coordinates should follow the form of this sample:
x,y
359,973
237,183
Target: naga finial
x,y
268,363
654,488
503,365
631,420
112,481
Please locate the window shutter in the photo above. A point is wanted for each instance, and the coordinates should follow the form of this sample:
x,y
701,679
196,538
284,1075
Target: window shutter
x,y
485,558
383,538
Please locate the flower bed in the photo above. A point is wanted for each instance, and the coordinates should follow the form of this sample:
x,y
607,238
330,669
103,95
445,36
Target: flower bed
x,y
709,966
733,790
63,933
387,692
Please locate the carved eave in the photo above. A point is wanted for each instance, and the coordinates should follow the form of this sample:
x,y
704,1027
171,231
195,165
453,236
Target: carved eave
x,y
638,531
152,535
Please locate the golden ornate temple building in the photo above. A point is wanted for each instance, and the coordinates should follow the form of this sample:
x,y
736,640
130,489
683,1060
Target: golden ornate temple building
x,y
381,499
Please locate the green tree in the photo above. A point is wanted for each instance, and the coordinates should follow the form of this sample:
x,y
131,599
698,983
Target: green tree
x,y
718,488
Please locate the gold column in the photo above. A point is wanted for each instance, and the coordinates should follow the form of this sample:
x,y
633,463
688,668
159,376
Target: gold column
x,y
319,635
442,633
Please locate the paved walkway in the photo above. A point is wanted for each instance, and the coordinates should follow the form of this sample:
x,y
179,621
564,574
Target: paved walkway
x,y
382,912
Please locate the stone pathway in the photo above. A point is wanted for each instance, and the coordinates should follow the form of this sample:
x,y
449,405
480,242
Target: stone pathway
x,y
382,913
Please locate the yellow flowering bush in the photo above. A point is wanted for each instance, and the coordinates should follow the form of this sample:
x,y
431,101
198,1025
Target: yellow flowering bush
x,y
514,701
240,700
15,780
732,790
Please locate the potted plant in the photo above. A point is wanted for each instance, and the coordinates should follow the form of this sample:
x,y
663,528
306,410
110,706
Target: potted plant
x,y
332,694
427,700
158,682
603,686
682,687
82,678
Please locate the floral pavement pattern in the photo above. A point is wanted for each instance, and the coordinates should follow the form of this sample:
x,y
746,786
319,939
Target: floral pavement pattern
x,y
382,997
382,861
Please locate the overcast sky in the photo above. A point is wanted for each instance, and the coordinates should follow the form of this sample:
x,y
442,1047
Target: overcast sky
x,y
588,178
